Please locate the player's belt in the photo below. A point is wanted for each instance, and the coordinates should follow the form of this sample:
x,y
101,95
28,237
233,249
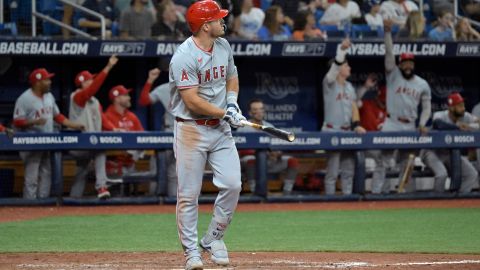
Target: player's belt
x,y
202,122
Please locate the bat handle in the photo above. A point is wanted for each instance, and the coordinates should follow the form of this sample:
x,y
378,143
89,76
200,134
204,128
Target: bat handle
x,y
248,123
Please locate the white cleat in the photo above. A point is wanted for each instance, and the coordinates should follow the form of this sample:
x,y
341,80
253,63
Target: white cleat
x,y
218,251
194,263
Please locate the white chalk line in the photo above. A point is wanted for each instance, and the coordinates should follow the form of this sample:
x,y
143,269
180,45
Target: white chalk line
x,y
297,264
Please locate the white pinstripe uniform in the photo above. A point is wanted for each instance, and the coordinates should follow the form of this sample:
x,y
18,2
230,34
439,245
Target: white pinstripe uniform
x,y
195,144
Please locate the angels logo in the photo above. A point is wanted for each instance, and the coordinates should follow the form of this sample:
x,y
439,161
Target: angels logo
x,y
276,87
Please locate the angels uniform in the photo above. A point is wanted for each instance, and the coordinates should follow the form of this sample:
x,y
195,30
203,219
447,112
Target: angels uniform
x,y
196,135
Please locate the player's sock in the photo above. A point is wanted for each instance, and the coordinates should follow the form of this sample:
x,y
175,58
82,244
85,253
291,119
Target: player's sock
x,y
216,229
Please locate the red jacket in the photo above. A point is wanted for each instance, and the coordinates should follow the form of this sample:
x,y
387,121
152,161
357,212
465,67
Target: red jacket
x,y
372,115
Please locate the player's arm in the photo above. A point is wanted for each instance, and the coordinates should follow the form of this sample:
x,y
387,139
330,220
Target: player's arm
x,y
145,99
199,105
70,124
426,112
82,96
342,51
356,119
20,117
389,57
232,94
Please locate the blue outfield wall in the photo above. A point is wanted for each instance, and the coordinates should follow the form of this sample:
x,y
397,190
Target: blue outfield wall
x,y
286,75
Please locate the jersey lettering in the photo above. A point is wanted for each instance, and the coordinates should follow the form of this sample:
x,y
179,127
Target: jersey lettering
x,y
207,74
342,95
184,75
408,92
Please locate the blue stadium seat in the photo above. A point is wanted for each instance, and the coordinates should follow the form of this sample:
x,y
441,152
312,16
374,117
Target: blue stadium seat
x,y
8,29
366,31
333,31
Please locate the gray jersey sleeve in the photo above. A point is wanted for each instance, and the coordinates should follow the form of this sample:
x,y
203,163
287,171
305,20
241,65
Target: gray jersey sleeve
x,y
231,69
184,71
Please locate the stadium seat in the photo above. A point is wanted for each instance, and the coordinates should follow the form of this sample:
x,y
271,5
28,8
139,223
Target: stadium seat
x,y
8,29
366,31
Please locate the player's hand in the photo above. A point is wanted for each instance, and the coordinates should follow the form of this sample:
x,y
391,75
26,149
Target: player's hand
x,y
39,122
9,132
233,106
119,130
371,81
464,126
112,61
77,126
387,25
153,74
234,118
423,130
345,44
360,130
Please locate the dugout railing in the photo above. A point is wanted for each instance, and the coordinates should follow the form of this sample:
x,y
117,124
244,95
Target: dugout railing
x,y
58,143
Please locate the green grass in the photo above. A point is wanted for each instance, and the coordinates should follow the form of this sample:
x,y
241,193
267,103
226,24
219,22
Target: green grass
x,y
400,230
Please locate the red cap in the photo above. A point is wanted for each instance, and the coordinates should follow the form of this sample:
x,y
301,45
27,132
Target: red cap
x,y
118,90
454,99
406,56
83,76
39,74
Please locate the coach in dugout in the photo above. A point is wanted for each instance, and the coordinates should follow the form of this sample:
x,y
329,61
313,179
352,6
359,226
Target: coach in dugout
x,y
455,118
35,111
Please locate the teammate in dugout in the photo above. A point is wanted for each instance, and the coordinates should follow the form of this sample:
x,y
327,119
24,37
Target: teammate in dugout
x,y
341,115
85,109
161,94
405,92
455,118
204,90
35,111
277,162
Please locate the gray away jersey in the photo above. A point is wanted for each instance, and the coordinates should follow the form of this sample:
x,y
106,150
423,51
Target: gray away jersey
x,y
161,94
193,67
404,96
337,101
29,106
467,118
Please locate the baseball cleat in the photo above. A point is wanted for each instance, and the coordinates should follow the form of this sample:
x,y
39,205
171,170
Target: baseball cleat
x,y
194,263
103,193
217,250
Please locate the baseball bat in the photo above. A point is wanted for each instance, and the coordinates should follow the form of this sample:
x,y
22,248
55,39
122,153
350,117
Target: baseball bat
x,y
406,174
276,132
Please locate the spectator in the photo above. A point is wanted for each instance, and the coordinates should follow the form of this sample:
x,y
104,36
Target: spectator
x,y
35,111
341,115
465,31
471,8
122,5
277,162
341,13
136,21
405,92
414,28
92,23
232,20
444,31
251,20
68,12
304,28
86,109
397,11
274,27
168,26
289,8
373,17
372,116
455,118
161,94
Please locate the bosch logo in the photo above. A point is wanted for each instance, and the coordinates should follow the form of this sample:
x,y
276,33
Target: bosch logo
x,y
93,140
448,139
334,141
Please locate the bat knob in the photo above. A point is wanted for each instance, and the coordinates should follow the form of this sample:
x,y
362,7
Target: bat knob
x,y
291,137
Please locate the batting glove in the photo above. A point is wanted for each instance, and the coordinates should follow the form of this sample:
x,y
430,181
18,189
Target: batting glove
x,y
234,118
234,107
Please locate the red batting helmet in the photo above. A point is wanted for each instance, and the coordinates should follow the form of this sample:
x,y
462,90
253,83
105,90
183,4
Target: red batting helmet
x,y
202,12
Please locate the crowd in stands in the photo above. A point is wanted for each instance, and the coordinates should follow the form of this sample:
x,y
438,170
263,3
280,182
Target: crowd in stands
x,y
275,20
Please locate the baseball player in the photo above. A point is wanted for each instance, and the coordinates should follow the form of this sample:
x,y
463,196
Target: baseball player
x,y
204,89
405,92
340,115
277,162
455,118
372,115
35,111
161,94
85,109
